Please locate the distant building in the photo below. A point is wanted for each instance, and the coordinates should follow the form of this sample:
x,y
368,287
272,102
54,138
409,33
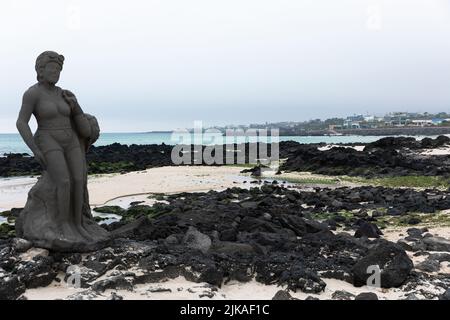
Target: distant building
x,y
369,118
396,119
422,122
355,117
350,124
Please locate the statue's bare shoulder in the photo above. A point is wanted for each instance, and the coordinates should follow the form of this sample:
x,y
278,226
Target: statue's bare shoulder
x,y
31,95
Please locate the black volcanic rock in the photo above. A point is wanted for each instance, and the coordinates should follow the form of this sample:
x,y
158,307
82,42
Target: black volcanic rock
x,y
391,259
212,237
367,229
379,158
366,296
371,162
10,286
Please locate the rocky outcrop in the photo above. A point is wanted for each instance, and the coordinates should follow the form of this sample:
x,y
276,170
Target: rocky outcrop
x,y
371,162
380,158
236,234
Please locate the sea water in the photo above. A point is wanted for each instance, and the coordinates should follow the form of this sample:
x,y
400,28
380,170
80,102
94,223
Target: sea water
x,y
13,143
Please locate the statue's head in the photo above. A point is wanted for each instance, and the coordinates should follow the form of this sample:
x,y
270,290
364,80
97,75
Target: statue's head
x,y
48,66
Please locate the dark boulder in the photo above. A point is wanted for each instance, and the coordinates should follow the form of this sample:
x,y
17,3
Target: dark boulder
x,y
21,245
300,225
367,229
232,248
429,265
141,229
342,295
395,211
115,283
283,295
10,286
437,244
392,261
366,296
212,275
228,234
194,239
37,272
445,295
415,233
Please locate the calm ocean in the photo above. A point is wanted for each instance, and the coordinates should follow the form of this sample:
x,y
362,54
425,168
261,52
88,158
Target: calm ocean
x,y
11,142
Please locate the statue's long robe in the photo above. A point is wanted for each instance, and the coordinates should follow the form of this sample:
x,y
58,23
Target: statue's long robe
x,y
36,221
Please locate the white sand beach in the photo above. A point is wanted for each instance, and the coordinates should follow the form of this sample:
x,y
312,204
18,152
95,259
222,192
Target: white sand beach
x,y
105,187
437,151
329,146
181,289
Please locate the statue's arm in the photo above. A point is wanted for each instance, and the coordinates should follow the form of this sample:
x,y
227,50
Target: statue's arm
x,y
84,128
28,103
81,121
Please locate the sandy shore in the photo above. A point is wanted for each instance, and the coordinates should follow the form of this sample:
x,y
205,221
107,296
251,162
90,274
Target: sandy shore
x,y
394,234
102,188
181,289
13,191
437,151
172,179
329,146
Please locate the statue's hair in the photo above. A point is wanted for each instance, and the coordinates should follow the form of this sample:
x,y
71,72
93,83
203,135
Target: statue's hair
x,y
46,57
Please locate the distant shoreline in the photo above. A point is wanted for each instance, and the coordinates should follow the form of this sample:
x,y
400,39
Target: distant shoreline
x,y
410,131
389,131
145,132
13,143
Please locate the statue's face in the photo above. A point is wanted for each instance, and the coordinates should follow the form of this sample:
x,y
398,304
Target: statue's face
x,y
51,72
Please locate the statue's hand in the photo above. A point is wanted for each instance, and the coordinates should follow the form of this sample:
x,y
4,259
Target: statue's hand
x,y
39,156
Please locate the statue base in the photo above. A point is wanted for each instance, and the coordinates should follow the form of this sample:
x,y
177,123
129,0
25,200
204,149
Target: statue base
x,y
37,223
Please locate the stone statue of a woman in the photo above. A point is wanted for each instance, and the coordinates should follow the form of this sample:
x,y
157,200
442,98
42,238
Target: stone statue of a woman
x,y
57,215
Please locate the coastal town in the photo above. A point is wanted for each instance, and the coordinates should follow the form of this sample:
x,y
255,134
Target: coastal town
x,y
393,123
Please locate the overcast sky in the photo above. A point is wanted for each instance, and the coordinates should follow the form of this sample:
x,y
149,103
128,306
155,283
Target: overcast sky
x,y
161,64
